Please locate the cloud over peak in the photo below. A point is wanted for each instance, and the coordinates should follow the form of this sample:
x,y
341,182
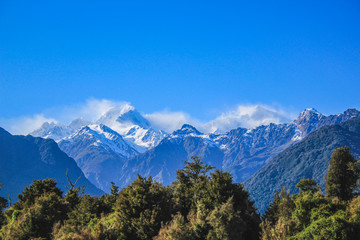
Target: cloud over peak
x,y
246,116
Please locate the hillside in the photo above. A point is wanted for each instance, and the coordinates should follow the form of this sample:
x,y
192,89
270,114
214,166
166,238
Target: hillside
x,y
306,159
26,158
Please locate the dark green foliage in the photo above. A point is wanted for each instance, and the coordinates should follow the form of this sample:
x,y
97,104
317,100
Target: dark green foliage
x,y
141,208
195,170
190,185
210,206
334,227
226,223
37,189
312,216
36,220
308,185
89,208
109,200
39,207
114,191
341,178
3,204
272,213
200,205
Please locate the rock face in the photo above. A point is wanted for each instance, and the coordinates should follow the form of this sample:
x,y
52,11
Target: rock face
x,y
26,158
162,161
306,159
241,151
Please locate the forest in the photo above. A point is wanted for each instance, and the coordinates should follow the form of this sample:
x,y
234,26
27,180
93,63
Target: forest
x,y
203,203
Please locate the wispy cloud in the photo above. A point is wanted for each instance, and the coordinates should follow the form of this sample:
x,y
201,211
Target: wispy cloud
x,y
91,110
246,116
25,124
167,120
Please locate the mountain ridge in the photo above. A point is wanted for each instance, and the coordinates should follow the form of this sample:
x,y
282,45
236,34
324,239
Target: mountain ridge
x,y
240,151
306,159
26,158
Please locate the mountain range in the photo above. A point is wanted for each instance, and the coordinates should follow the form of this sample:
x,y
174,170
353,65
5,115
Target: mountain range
x,y
306,159
122,143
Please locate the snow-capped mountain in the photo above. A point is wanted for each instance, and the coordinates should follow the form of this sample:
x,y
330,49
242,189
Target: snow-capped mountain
x,y
52,130
162,161
122,144
58,131
127,121
99,151
241,151
100,148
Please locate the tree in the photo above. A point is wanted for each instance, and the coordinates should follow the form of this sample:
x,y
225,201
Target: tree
x,y
37,189
36,220
196,169
3,204
190,185
140,209
210,205
226,223
73,195
308,185
272,213
342,176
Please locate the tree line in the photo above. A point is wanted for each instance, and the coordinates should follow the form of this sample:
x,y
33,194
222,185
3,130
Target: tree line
x,y
203,203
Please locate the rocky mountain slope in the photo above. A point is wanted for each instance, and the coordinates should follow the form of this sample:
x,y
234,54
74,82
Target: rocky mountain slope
x,y
306,159
162,161
241,151
100,152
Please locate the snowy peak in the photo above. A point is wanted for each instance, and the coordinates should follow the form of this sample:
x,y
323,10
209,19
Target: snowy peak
x,y
133,117
111,116
128,122
103,136
143,139
52,130
310,115
310,120
124,116
352,113
187,129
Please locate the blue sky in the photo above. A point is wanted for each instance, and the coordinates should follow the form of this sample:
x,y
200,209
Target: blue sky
x,y
201,58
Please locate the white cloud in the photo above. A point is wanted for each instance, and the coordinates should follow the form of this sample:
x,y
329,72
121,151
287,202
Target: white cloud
x,y
167,120
246,116
25,125
91,110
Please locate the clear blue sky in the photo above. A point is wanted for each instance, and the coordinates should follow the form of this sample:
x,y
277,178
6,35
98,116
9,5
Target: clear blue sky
x,y
194,56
